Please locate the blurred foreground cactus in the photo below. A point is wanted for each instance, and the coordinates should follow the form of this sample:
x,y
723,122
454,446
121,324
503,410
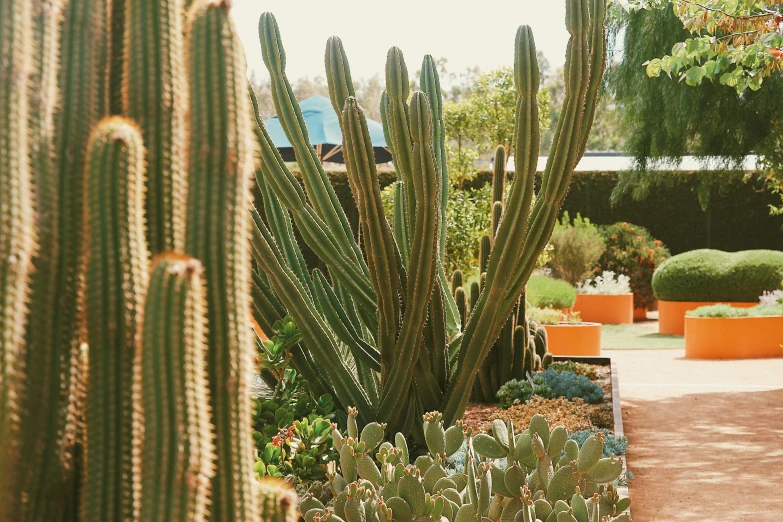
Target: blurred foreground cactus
x,y
116,267
71,440
536,475
388,302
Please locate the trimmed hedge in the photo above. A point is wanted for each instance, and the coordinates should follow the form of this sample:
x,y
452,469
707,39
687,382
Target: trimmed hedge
x,y
737,217
714,275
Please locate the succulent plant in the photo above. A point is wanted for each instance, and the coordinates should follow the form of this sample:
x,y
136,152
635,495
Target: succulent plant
x,y
92,264
389,302
533,475
17,229
177,452
116,284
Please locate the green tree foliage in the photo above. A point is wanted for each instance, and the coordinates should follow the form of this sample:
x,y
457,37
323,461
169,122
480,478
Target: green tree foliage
x,y
734,45
665,120
484,119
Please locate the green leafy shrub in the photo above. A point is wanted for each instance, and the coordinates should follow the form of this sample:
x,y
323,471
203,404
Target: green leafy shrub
x,y
571,386
289,430
301,450
631,250
612,445
714,275
575,367
724,310
576,247
520,391
547,292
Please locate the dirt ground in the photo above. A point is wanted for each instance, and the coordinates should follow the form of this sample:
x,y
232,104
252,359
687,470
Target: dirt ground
x,y
706,437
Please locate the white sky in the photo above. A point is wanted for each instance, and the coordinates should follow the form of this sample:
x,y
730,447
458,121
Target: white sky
x,y
466,33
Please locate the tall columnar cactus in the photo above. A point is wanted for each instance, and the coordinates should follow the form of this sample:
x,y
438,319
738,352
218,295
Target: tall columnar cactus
x,y
70,95
279,502
154,94
221,164
178,449
507,358
17,230
391,305
116,283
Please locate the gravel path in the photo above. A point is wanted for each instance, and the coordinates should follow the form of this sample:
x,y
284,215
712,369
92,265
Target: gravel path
x,y
706,437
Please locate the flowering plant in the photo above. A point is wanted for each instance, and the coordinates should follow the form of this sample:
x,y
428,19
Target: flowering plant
x,y
632,251
774,298
606,284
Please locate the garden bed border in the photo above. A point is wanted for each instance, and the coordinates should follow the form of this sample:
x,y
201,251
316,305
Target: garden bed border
x,y
616,407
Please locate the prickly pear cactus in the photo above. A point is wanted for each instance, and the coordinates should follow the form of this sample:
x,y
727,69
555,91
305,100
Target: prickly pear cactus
x,y
536,475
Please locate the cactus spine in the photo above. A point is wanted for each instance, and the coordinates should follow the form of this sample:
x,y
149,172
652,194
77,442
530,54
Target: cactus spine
x,y
17,230
278,501
178,448
218,234
154,94
116,277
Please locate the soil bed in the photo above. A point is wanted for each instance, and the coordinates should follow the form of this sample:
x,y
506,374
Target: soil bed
x,y
574,415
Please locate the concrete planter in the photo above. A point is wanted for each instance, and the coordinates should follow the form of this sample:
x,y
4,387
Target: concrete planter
x,y
671,314
575,339
605,309
733,337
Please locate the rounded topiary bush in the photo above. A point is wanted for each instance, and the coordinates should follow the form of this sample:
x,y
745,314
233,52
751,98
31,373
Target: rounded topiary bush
x,y
714,275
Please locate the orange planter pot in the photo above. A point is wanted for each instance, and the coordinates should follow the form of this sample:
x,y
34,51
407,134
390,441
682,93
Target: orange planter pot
x,y
574,339
605,309
640,314
733,337
671,314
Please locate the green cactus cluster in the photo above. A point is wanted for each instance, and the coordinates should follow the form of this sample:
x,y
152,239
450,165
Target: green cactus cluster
x,y
521,347
124,381
382,330
536,475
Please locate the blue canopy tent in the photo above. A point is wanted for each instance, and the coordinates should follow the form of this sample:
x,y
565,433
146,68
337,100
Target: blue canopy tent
x,y
325,134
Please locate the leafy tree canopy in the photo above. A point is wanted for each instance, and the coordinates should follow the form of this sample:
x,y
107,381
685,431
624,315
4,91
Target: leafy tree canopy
x,y
663,120
734,42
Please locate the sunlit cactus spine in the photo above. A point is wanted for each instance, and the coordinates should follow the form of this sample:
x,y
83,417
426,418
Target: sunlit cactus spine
x,y
17,232
154,94
177,454
116,264
278,500
221,164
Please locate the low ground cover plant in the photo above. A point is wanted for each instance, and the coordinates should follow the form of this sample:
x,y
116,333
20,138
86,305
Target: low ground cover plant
x,y
612,445
547,292
576,247
573,386
520,391
631,250
606,284
575,367
714,275
550,384
724,310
